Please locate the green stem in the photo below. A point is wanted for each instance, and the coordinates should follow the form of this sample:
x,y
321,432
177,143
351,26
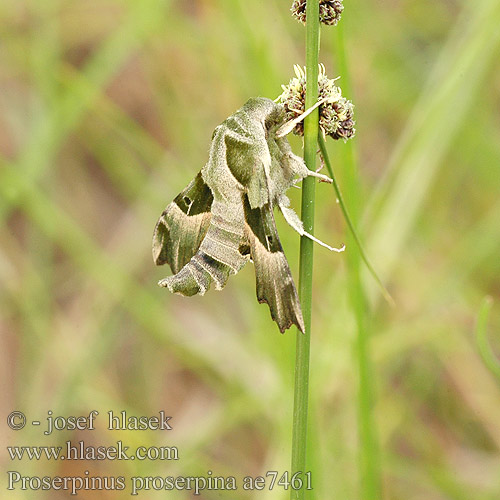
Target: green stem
x,y
311,127
350,225
487,354
369,468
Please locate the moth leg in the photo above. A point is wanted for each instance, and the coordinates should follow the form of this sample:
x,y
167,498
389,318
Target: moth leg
x,y
321,177
293,220
299,168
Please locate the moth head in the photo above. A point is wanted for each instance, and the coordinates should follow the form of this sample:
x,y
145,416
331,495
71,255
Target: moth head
x,y
268,112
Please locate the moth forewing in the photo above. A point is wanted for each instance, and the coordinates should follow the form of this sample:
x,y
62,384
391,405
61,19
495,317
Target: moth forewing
x,y
274,281
182,225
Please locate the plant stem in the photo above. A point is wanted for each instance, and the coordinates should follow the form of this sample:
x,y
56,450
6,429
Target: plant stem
x,y
368,446
347,217
311,127
488,356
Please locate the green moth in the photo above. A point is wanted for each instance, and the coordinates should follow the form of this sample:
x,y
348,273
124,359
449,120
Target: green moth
x,y
224,217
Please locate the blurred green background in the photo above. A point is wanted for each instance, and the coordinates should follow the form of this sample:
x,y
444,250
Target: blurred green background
x,y
106,113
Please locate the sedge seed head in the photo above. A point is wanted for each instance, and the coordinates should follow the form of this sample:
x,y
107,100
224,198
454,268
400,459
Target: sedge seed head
x,y
336,114
329,11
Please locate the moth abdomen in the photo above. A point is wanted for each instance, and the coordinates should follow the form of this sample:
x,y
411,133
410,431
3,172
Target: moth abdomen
x,y
216,259
188,282
217,271
197,275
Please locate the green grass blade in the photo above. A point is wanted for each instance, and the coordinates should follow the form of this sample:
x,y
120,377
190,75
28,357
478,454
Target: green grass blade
x,y
444,105
368,452
487,354
324,153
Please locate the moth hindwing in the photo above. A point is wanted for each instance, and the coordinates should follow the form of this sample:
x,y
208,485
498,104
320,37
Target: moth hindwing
x,y
224,217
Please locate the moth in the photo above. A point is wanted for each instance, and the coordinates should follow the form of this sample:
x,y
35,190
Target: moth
x,y
224,217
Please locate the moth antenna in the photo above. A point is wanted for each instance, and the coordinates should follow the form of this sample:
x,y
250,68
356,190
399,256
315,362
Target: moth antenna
x,y
287,127
311,237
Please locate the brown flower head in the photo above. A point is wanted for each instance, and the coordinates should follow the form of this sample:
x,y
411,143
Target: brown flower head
x,y
329,11
335,114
